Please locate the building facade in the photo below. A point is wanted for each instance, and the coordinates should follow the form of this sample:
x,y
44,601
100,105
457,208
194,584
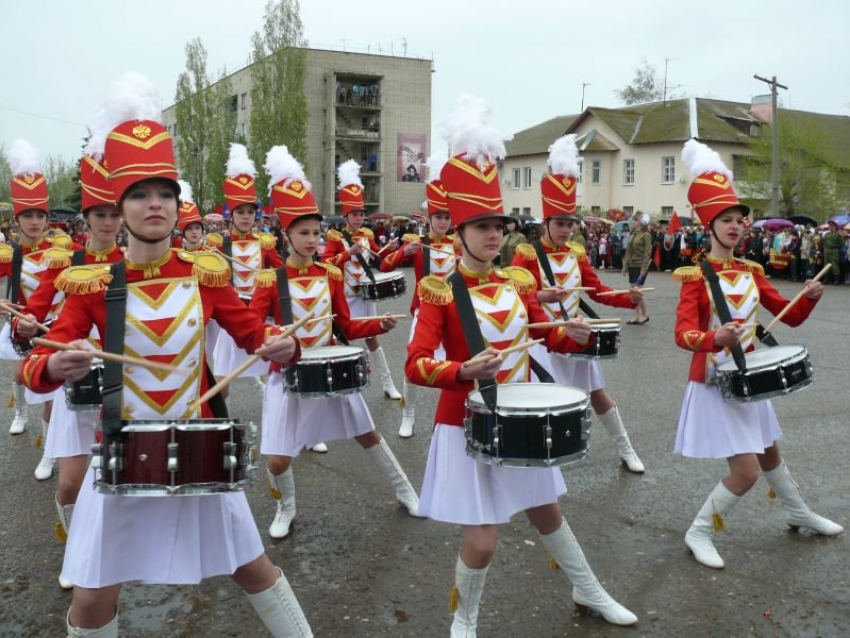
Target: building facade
x,y
375,109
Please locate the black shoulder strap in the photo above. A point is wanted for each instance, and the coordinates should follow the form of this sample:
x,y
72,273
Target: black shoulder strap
x,y
426,255
227,249
765,337
79,257
546,267
359,256
218,406
13,290
113,341
723,311
283,297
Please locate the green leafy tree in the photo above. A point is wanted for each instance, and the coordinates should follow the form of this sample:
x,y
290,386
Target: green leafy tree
x,y
62,181
646,86
809,180
278,101
5,175
222,130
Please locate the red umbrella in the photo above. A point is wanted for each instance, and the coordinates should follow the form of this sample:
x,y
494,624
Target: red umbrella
x,y
380,216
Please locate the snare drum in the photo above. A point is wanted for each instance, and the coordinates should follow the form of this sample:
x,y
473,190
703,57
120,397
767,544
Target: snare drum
x,y
327,371
388,285
174,458
534,425
604,342
23,348
771,372
85,394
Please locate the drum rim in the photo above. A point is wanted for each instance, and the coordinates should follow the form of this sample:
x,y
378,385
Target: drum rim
x,y
532,409
308,353
728,367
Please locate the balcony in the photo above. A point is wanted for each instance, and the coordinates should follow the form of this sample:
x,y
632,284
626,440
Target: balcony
x,y
358,135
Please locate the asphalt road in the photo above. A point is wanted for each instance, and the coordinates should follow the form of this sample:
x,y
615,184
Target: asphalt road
x,y
361,567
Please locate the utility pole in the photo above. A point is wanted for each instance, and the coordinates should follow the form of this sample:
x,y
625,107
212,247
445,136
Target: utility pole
x,y
583,85
774,124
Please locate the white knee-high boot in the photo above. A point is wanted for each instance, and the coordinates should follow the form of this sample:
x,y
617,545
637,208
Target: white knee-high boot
x,y
64,513
614,425
282,488
279,610
466,595
409,391
799,514
19,423
379,364
587,591
44,469
383,457
708,520
109,630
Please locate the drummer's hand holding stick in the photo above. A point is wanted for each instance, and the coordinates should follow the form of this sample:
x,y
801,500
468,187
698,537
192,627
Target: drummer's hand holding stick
x,y
70,365
812,289
635,295
354,249
388,322
552,295
728,334
410,248
481,367
28,325
578,330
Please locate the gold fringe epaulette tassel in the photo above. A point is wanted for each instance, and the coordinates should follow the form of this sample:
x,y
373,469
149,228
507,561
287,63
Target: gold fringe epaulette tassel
x,y
686,274
434,290
526,252
577,250
454,595
267,241
334,235
214,240
333,272
751,266
210,268
6,252
11,403
410,237
83,280
522,279
56,258
265,278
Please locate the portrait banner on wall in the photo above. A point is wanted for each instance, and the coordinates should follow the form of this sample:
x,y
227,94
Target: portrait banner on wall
x,y
410,157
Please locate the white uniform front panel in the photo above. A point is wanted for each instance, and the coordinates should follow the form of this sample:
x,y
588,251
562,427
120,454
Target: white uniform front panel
x,y
503,319
742,298
247,259
311,293
567,273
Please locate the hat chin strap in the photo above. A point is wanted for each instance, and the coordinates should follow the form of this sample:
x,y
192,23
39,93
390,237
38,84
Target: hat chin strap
x,y
716,238
148,240
466,248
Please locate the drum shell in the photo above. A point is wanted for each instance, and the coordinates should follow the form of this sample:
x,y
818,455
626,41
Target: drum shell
x,y
212,456
768,381
388,286
85,394
326,377
604,343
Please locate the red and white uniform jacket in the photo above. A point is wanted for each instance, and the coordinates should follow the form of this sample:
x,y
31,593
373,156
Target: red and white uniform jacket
x,y
251,253
505,303
38,260
571,269
744,288
169,302
441,265
335,254
316,287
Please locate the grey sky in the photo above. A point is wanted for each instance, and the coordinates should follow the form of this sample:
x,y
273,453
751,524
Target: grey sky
x,y
528,58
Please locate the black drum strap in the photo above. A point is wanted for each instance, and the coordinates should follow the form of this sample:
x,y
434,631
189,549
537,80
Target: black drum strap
x,y
765,337
426,255
283,297
79,257
723,311
360,258
113,341
14,287
227,249
218,406
546,267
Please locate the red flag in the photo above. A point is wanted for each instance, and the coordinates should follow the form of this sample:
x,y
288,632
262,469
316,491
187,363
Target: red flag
x,y
675,224
656,258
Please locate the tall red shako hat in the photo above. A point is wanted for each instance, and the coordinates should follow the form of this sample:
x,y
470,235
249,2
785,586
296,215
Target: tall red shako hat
x,y
240,173
188,212
291,193
28,185
470,176
95,187
558,188
435,193
129,138
350,187
711,192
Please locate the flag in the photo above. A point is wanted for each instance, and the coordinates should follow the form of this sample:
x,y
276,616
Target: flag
x,y
675,224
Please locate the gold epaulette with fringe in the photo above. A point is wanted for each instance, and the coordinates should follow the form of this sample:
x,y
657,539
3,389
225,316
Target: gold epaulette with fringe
x,y
6,252
83,280
522,279
267,241
578,250
334,235
57,258
266,278
61,241
434,290
526,251
367,232
687,273
333,272
410,237
752,266
210,268
214,240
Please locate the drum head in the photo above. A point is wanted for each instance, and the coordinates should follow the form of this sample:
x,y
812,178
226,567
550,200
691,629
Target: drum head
x,y
605,327
387,276
766,357
533,396
330,352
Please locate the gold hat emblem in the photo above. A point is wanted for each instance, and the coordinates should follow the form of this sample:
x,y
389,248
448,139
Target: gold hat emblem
x,y
296,186
568,182
355,190
104,164
29,178
243,180
142,131
486,166
719,179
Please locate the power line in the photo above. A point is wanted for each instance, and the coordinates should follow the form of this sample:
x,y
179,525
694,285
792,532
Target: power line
x,y
43,117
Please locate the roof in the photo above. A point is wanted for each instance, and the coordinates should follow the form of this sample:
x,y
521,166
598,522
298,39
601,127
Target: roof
x,y
593,140
538,139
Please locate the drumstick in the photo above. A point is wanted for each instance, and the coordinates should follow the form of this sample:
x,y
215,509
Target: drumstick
x,y
235,261
322,318
378,317
620,292
214,390
558,324
483,358
436,250
111,356
23,317
556,288
797,298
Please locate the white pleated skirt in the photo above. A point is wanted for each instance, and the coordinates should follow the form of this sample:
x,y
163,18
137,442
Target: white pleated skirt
x,y
359,307
35,398
711,428
291,423
458,489
6,350
227,356
71,433
157,540
585,374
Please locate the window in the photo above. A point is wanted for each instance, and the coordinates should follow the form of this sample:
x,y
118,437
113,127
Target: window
x,y
597,172
516,178
234,103
668,169
243,130
244,101
526,177
174,134
666,212
580,171
629,210
526,209
629,172
514,212
595,210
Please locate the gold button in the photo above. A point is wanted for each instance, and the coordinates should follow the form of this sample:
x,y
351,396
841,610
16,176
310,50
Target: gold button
x,y
186,284
130,409
193,322
129,369
192,363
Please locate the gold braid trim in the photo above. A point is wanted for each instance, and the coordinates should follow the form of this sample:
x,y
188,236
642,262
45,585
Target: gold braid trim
x,y
410,237
522,279
366,232
214,240
434,290
333,272
266,278
57,258
752,266
83,280
334,235
526,252
578,250
267,241
6,252
687,273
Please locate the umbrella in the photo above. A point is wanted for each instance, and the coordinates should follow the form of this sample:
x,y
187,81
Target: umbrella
x,y
379,216
623,224
213,217
840,220
774,223
528,219
802,219
334,219
598,220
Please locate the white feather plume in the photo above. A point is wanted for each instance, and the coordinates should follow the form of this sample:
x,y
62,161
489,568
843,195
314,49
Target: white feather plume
x,y
238,163
435,164
563,157
24,158
185,191
131,97
699,158
349,174
281,166
468,131
424,206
